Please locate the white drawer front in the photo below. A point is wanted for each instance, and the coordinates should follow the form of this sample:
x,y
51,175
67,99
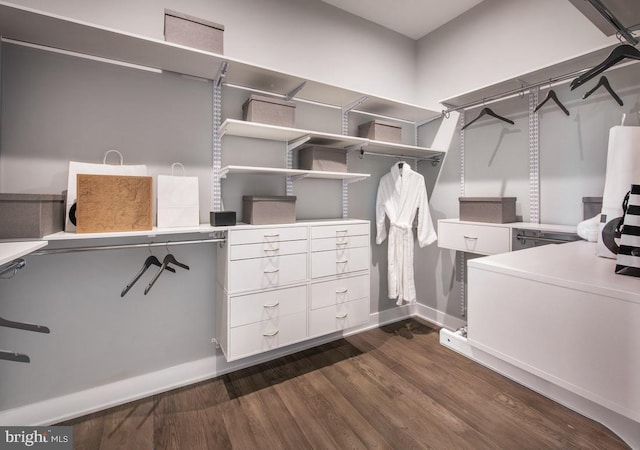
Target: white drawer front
x,y
339,231
251,308
266,335
336,292
338,317
259,235
336,243
267,249
264,273
336,262
484,240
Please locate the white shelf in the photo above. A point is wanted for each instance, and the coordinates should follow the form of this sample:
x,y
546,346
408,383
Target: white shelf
x,y
241,128
40,28
65,236
578,63
13,250
349,177
233,127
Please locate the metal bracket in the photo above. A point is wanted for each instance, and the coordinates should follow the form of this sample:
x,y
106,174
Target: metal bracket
x,y
222,73
354,104
293,93
222,173
357,147
295,178
297,143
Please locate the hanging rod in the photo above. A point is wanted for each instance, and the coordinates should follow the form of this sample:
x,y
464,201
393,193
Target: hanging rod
x,y
54,251
523,238
435,159
14,266
526,88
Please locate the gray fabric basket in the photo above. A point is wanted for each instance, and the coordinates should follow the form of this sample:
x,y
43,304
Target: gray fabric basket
x,y
266,210
488,209
30,216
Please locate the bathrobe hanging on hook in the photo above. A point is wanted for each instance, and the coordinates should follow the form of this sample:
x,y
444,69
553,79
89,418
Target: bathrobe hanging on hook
x,y
401,195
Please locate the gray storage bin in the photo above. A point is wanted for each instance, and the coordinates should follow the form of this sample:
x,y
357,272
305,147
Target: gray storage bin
x,y
266,210
322,158
269,110
190,31
381,130
488,209
30,216
591,206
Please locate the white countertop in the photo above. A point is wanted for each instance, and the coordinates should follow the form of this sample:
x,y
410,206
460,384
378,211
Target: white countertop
x,y
573,265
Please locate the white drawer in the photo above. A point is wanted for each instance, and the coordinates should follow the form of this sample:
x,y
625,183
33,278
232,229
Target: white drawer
x,y
263,336
480,239
336,262
335,243
259,235
339,231
264,273
338,317
336,292
267,249
262,306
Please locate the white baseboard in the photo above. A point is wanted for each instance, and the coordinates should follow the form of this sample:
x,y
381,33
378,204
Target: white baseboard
x,y
80,403
438,317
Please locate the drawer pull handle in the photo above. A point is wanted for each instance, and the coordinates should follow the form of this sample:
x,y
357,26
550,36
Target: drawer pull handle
x,y
342,231
271,271
471,238
272,235
273,305
273,333
272,249
343,291
344,261
343,316
341,243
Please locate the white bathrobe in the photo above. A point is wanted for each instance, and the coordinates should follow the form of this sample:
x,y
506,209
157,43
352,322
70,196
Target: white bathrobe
x,y
402,194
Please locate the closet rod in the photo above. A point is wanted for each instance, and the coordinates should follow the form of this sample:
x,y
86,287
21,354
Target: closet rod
x,y
541,239
434,159
54,251
525,88
14,266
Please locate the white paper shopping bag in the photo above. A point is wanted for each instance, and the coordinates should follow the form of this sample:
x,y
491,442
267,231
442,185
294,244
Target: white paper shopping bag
x,y
178,200
76,168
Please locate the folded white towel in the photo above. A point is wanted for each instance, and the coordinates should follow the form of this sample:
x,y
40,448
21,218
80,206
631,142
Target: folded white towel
x,y
589,229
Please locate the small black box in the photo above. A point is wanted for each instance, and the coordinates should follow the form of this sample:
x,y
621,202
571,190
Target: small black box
x,y
222,218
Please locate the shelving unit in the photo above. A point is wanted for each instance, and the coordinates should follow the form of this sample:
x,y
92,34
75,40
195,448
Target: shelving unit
x,y
65,236
296,173
565,69
26,25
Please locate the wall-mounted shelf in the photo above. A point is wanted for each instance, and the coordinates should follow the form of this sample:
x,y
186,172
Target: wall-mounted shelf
x,y
14,250
241,128
296,173
31,26
255,130
565,69
64,236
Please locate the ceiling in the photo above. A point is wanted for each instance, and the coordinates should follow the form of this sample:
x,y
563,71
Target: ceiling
x,y
413,18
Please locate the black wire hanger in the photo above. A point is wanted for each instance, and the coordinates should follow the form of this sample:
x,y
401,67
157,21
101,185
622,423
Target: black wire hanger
x,y
23,326
604,82
551,95
620,53
150,261
169,259
488,111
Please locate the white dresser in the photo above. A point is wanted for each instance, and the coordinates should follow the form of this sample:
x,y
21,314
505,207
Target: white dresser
x,y
282,284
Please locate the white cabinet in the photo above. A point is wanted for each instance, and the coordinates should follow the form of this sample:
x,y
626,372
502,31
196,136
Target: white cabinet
x,y
282,284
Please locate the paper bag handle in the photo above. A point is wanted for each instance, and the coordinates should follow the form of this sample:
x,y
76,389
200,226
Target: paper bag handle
x,y
104,160
177,164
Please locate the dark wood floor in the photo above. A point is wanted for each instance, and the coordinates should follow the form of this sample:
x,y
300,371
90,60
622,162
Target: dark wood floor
x,y
392,387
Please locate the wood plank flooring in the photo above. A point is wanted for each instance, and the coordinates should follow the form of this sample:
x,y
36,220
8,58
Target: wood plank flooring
x,y
394,387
